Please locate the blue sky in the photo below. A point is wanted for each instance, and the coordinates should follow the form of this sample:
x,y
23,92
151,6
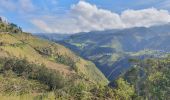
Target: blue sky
x,y
71,16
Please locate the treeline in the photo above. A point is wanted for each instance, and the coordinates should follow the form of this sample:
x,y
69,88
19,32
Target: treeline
x,y
86,91
151,78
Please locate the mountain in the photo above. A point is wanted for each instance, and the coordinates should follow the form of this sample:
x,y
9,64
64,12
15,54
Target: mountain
x,y
37,65
111,49
53,36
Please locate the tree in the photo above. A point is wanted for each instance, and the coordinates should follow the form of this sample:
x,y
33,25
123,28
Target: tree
x,y
124,90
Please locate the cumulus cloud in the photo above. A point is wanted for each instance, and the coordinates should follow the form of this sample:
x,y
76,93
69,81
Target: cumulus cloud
x,y
146,17
84,17
89,17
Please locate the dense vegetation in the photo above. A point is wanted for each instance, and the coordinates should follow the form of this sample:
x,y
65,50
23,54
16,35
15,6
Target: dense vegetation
x,y
31,71
22,77
151,78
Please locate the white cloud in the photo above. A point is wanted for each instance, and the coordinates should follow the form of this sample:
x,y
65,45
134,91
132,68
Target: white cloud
x,y
84,17
145,17
89,17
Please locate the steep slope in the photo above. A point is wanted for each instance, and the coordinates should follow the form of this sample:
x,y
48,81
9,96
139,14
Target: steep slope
x,y
24,45
16,45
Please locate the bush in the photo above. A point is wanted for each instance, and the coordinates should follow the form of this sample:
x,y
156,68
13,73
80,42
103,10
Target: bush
x,y
37,72
124,90
53,79
66,61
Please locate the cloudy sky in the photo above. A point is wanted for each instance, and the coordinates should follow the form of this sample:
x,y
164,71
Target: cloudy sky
x,y
72,16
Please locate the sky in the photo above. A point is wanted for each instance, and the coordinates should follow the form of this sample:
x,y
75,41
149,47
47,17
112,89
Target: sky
x,y
73,16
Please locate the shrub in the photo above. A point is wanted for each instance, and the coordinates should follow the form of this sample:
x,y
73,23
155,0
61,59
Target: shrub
x,y
66,61
37,72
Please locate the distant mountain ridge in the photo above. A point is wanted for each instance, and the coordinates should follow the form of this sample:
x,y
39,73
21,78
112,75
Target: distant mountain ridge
x,y
111,49
53,36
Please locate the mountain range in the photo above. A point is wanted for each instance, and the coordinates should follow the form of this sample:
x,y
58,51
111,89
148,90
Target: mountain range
x,y
111,50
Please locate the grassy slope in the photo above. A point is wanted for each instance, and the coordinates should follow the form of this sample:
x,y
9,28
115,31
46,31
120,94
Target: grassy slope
x,y
22,45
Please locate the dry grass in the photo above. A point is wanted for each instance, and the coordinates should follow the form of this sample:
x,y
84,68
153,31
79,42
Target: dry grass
x,y
26,49
28,52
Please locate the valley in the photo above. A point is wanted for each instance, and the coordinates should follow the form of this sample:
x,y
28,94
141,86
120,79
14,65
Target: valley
x,y
110,50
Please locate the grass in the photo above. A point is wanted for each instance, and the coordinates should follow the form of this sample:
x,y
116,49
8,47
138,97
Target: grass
x,y
18,85
25,45
45,96
6,38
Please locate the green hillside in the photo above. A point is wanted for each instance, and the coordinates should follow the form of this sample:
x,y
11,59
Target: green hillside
x,y
23,45
22,51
